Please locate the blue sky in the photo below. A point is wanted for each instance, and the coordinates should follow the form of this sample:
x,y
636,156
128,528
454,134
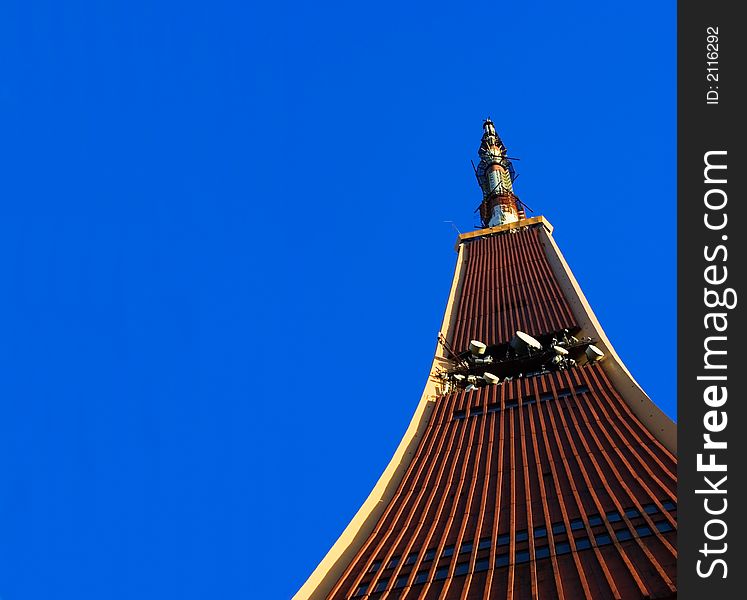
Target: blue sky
x,y
223,258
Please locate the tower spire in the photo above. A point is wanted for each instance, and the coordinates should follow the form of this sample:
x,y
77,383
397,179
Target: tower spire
x,y
495,173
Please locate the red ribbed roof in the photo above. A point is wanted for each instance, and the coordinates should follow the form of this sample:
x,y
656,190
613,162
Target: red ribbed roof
x,y
508,286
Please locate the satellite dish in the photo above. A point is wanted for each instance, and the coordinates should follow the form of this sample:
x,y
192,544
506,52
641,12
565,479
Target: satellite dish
x,y
477,348
491,379
523,340
470,388
560,350
459,377
593,353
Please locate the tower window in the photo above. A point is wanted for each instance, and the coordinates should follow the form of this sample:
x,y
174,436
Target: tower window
x,y
381,586
522,557
400,582
421,577
361,591
663,526
613,516
622,535
651,509
466,547
558,528
441,573
540,532
501,560
603,539
481,565
448,551
462,568
669,505
595,520
577,524
522,536
375,565
643,530
562,548
541,552
632,513
429,554
411,558
583,543
504,539
484,543
393,563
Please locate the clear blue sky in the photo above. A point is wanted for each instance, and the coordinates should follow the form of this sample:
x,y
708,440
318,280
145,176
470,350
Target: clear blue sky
x,y
220,221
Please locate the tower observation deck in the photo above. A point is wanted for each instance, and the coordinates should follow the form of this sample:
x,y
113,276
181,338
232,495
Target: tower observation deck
x,y
534,465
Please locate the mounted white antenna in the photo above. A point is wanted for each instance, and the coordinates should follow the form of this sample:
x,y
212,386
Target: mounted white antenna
x,y
477,348
593,353
491,379
522,341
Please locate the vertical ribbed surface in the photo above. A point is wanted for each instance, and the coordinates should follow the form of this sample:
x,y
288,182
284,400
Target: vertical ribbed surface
x,y
542,487
508,285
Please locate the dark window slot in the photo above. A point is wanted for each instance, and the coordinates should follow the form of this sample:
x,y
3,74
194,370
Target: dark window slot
x,y
663,526
614,516
481,565
583,543
401,582
623,534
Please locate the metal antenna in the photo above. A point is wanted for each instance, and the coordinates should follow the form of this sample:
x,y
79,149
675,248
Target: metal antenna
x,y
525,206
454,226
